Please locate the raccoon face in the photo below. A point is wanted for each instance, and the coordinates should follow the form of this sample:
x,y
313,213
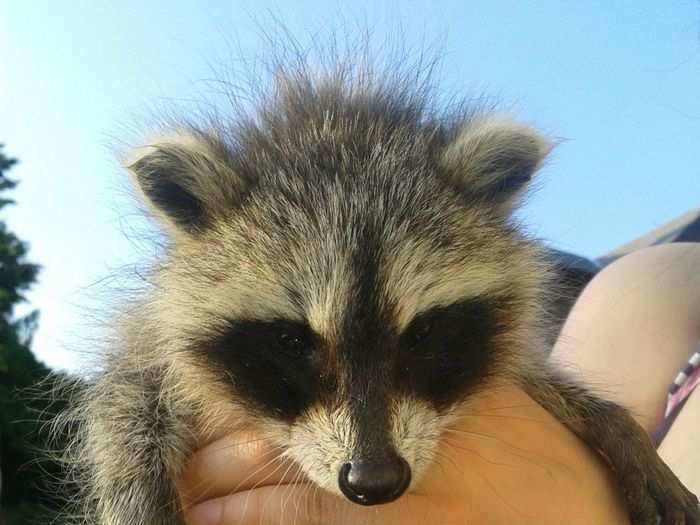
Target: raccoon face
x,y
349,286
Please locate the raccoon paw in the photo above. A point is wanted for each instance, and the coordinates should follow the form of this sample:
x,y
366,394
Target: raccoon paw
x,y
660,499
677,506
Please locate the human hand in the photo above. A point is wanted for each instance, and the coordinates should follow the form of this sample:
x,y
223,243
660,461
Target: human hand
x,y
506,461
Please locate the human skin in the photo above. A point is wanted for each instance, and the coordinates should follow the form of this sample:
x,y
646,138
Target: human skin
x,y
633,328
507,461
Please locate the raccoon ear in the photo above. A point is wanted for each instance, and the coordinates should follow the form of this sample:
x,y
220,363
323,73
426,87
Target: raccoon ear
x,y
494,160
186,179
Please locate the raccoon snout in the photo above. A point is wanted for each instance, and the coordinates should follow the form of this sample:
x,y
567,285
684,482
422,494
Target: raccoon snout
x,y
373,482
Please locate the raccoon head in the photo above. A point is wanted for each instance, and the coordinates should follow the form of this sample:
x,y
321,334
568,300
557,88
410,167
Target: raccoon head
x,y
348,274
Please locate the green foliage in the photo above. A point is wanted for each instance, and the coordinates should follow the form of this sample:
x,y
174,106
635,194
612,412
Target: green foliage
x,y
16,274
23,405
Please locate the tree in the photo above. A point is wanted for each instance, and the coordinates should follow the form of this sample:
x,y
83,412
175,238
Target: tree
x,y
21,437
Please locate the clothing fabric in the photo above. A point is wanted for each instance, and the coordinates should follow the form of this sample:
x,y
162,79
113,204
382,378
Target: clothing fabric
x,y
678,393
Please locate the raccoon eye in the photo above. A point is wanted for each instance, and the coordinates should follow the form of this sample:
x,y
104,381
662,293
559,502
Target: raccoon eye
x,y
296,344
420,331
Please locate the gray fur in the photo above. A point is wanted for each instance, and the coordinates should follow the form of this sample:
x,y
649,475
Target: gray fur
x,y
332,164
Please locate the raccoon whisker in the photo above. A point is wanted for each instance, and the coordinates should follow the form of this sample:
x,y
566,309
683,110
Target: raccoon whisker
x,y
296,502
310,490
238,444
284,496
245,504
251,489
498,408
507,407
311,499
167,503
290,490
523,453
286,485
521,418
482,476
454,445
203,485
516,451
498,494
258,470
279,451
442,455
480,435
317,497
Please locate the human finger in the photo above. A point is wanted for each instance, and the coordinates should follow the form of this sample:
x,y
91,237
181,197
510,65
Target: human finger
x,y
235,463
305,504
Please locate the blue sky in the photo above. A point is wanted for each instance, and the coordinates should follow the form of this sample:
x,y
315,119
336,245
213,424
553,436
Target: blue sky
x,y
619,81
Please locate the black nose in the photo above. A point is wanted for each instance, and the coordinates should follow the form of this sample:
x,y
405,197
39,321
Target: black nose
x,y
373,482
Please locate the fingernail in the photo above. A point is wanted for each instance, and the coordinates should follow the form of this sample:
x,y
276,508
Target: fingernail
x,y
207,513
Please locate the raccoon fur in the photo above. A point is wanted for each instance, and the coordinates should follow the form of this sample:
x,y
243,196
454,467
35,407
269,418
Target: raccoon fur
x,y
342,272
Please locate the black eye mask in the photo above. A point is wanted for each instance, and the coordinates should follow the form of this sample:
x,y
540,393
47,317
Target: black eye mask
x,y
270,363
447,349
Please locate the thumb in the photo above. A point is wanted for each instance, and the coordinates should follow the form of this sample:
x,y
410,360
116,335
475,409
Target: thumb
x,y
306,504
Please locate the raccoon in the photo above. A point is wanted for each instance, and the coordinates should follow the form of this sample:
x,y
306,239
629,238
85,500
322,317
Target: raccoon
x,y
343,271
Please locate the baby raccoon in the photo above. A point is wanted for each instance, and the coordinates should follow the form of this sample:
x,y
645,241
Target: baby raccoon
x,y
342,273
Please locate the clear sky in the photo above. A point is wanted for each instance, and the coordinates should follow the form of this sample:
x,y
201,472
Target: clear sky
x,y
618,80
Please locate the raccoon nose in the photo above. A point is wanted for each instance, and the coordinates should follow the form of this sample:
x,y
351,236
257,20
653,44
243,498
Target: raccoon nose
x,y
374,482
